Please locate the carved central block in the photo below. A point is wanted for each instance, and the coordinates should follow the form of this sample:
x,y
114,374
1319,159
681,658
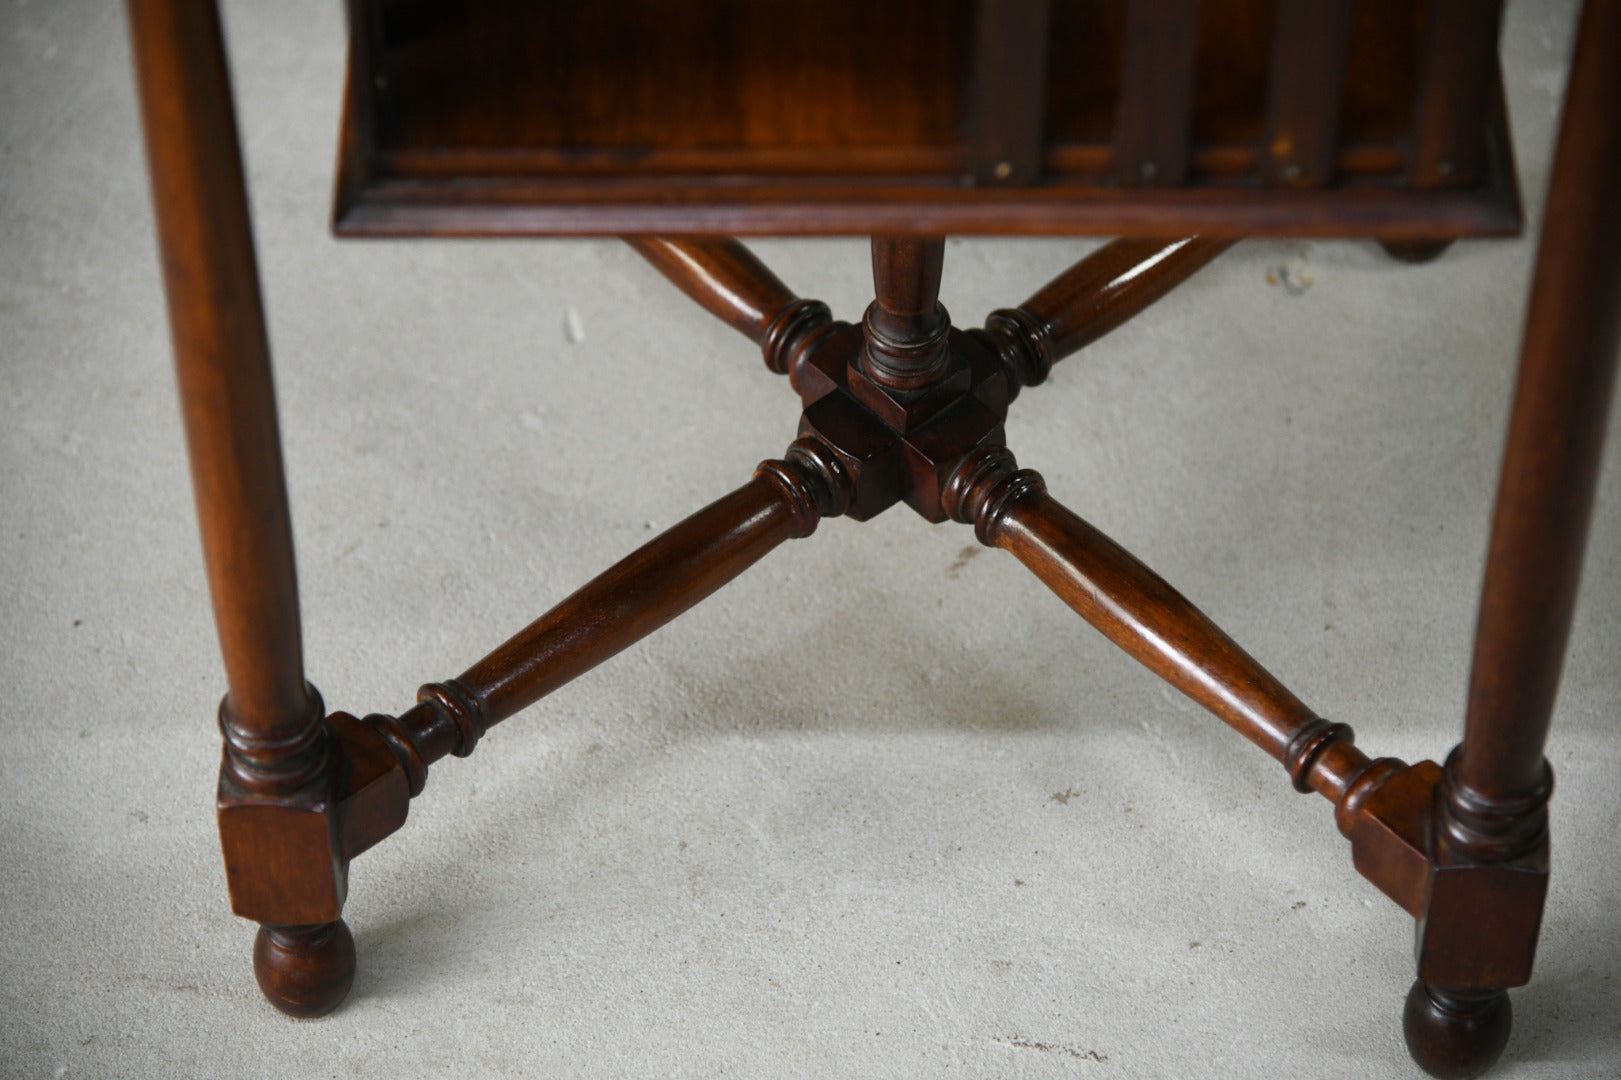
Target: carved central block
x,y
900,445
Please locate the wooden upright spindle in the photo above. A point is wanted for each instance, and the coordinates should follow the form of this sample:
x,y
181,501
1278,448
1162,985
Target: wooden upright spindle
x,y
1492,815
222,360
1008,87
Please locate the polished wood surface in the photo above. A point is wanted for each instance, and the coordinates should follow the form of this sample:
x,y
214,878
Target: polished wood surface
x,y
1485,908
1139,611
222,363
905,324
1114,284
1456,76
1007,90
1154,116
1180,125
631,599
664,117
1308,48
305,971
724,278
1556,430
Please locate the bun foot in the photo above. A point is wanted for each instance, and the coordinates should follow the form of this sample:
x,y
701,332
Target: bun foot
x,y
1414,251
1456,1034
305,971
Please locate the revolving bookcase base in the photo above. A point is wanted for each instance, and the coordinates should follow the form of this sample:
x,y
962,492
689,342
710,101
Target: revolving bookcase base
x,y
898,407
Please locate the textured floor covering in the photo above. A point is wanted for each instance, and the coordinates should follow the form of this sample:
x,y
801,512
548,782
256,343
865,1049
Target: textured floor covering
x,y
882,808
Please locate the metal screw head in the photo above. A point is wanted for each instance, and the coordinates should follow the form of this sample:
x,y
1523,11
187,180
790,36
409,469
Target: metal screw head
x,y
1003,170
1148,170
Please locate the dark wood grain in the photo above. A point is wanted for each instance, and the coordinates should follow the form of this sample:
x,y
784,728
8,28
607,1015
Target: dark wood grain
x,y
1463,1034
519,205
503,117
631,599
1455,91
1308,47
222,362
906,325
1556,432
1008,90
278,791
908,120
305,971
723,276
1114,284
1154,117
1140,612
1491,850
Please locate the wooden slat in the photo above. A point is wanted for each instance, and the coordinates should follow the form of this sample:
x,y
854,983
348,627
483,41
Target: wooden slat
x,y
1303,92
1008,90
1455,92
1156,92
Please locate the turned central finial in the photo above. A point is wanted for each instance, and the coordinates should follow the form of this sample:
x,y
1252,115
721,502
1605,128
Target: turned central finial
x,y
906,326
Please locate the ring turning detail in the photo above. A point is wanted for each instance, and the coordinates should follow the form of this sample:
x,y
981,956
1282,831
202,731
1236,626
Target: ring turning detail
x,y
900,407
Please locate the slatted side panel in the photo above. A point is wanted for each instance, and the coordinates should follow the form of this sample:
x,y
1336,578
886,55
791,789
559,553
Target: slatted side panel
x,y
1155,111
1305,82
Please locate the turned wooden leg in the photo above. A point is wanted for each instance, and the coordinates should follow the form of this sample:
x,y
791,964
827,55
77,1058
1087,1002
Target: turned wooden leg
x,y
1093,297
631,599
277,780
727,281
1492,816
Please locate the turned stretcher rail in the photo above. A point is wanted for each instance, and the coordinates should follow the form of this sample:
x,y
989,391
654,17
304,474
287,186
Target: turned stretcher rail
x,y
1140,612
1096,295
723,276
625,603
1118,281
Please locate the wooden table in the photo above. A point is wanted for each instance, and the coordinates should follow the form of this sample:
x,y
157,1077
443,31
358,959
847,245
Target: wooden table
x,y
1175,125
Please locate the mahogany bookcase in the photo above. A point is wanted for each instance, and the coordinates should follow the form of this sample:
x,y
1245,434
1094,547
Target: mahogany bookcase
x,y
1177,126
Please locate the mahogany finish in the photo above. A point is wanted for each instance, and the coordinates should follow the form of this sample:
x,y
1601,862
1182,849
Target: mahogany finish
x,y
1138,611
1007,90
724,278
622,605
1303,92
277,780
305,971
926,117
1154,118
1556,432
1491,828
1110,286
905,325
1367,117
